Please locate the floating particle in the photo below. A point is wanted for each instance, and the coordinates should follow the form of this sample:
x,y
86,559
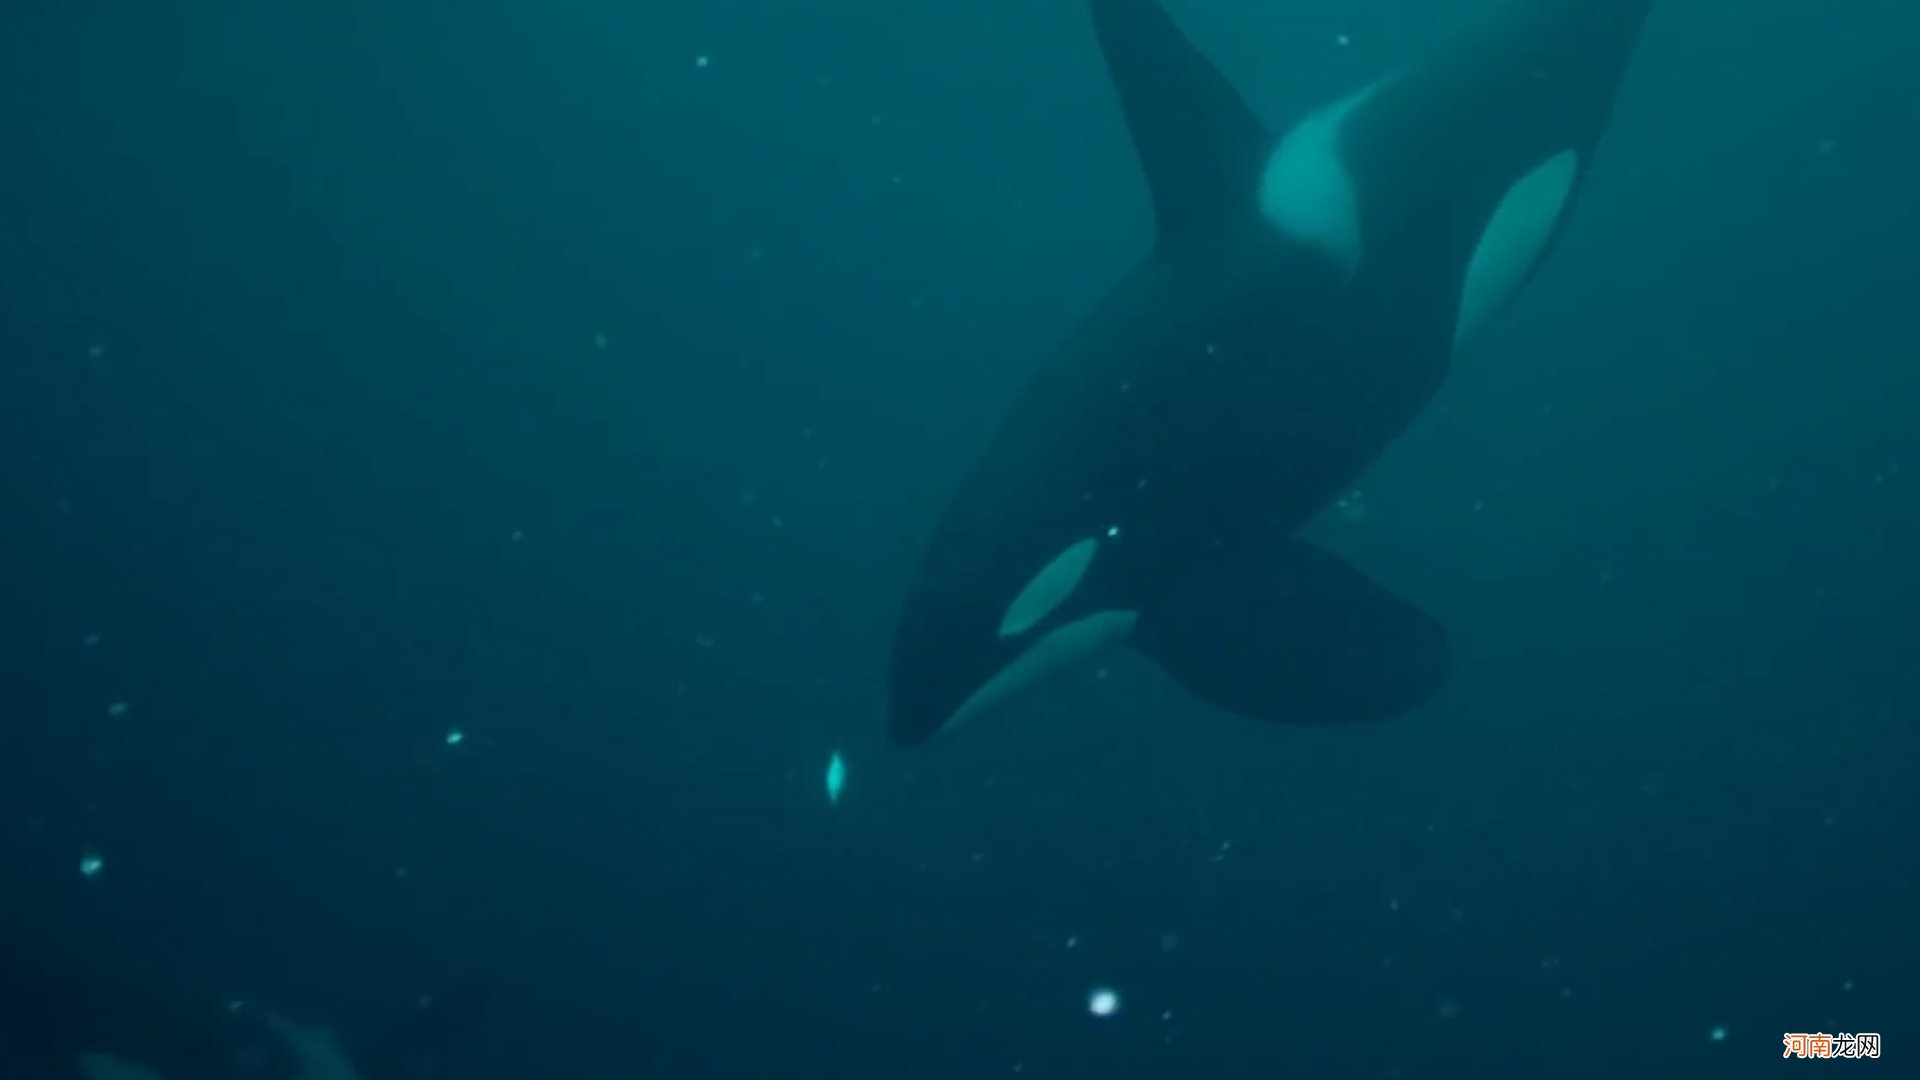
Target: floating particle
x,y
96,350
1718,1033
1073,941
1103,1001
516,536
1447,1009
91,864
1342,40
600,341
836,778
702,61
1848,985
90,641
455,736
118,709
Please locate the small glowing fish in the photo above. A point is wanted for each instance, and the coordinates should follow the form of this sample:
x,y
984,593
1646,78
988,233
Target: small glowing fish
x,y
836,777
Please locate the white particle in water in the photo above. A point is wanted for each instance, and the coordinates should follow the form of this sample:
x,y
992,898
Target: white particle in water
x,y
118,709
1718,1034
455,737
1103,1001
836,778
91,864
703,60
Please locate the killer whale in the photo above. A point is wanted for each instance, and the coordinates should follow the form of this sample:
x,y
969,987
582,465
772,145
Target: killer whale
x,y
64,1021
1304,298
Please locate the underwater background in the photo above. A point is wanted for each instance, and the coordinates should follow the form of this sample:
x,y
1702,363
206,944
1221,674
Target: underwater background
x,y
462,462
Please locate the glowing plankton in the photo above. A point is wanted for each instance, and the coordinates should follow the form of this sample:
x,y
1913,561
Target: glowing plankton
x,y
836,777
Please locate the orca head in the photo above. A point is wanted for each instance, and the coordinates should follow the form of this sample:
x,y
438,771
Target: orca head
x,y
972,639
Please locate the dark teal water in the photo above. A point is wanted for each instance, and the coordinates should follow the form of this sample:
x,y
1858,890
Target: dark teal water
x,y
374,372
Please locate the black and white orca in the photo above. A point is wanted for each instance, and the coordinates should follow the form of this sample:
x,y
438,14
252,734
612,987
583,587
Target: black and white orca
x,y
1303,300
60,1023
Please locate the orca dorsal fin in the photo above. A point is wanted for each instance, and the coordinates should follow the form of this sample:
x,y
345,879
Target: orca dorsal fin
x,y
1199,144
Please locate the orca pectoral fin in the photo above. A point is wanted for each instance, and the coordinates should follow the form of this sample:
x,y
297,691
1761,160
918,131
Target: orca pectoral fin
x,y
1293,633
1198,142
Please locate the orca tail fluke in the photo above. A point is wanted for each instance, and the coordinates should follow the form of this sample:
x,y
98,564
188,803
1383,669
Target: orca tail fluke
x,y
1292,633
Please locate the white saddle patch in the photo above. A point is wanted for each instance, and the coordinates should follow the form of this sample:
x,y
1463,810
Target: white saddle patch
x,y
1057,651
1513,240
1049,588
1306,191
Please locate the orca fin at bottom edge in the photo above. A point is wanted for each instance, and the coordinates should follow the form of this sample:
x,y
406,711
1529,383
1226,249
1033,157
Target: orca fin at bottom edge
x,y
1292,633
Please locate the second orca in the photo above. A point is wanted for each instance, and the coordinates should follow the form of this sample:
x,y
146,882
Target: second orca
x,y
1303,300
